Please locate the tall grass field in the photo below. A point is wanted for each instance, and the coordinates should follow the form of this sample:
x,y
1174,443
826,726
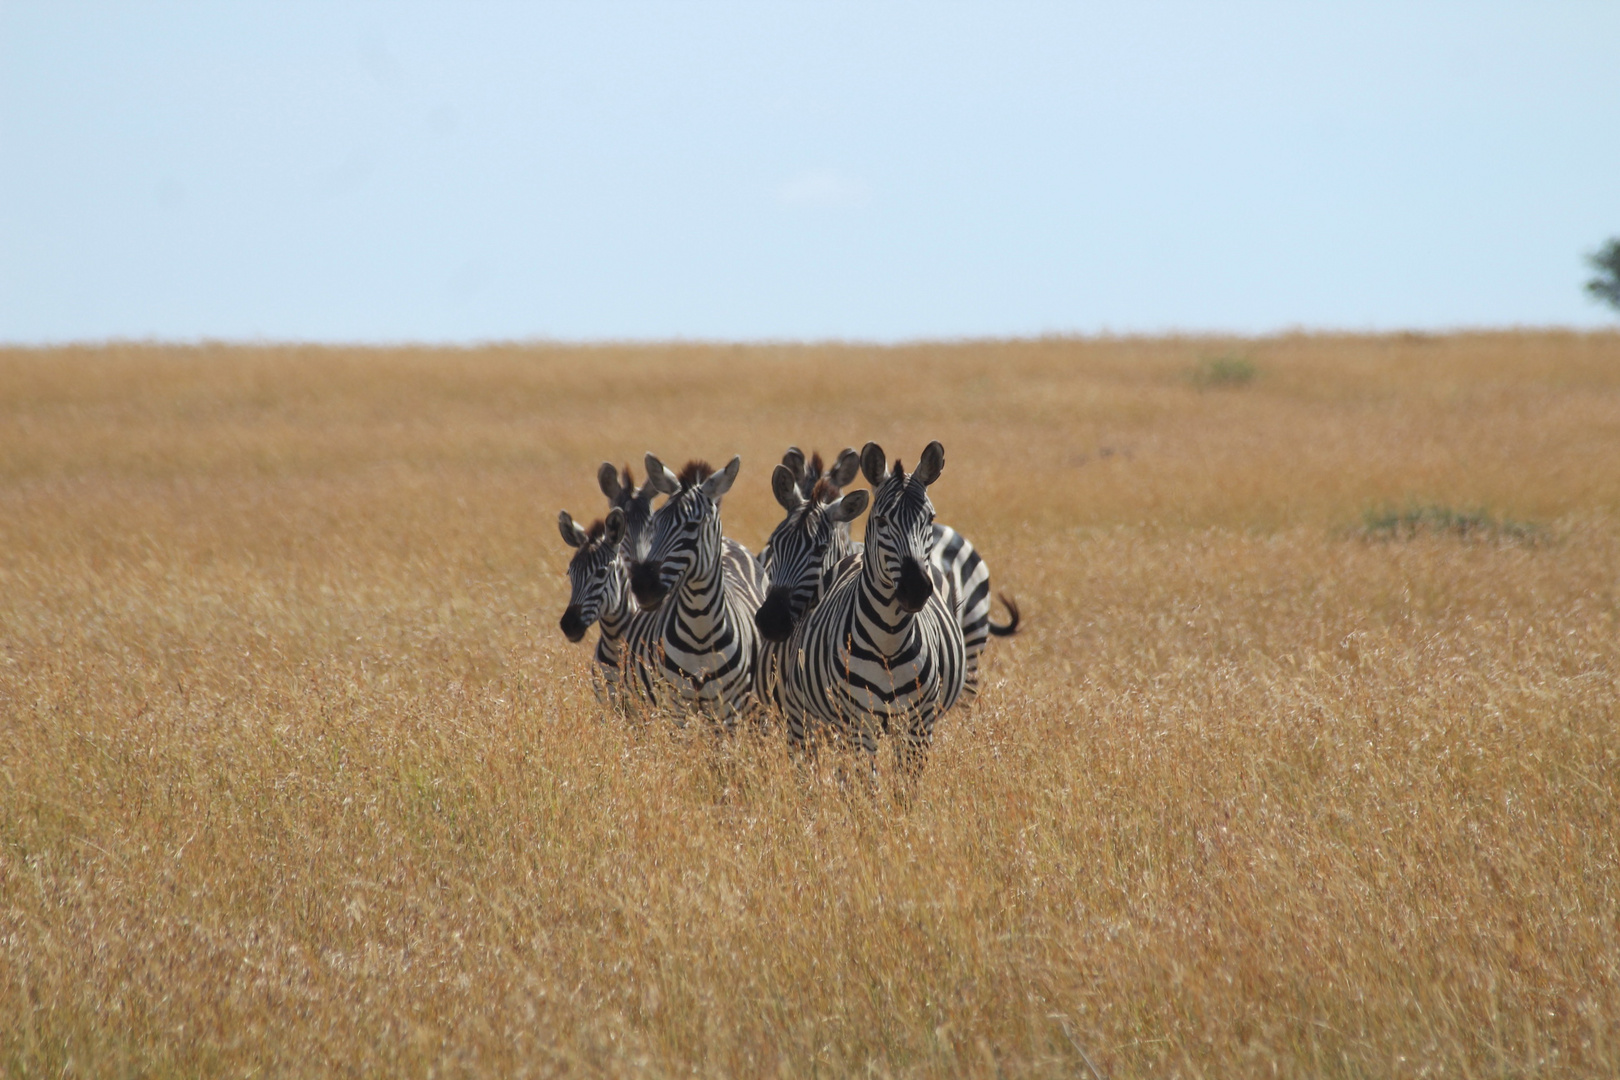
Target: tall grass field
x,y
1305,761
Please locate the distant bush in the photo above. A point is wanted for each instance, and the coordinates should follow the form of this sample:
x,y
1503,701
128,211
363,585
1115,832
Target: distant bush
x,y
1224,371
1606,261
1388,524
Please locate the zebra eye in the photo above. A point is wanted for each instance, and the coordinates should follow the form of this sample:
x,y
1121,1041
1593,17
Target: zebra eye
x,y
880,520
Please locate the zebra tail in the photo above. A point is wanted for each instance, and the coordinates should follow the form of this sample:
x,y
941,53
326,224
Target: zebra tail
x,y
1012,609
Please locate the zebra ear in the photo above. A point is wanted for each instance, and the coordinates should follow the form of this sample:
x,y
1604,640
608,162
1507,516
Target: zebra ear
x,y
932,463
845,468
613,527
607,478
794,460
849,507
719,483
785,486
659,476
572,534
872,462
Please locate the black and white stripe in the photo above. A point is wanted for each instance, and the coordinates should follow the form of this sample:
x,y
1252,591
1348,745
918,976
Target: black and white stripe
x,y
636,505
954,556
802,558
797,546
620,488
599,593
700,646
882,651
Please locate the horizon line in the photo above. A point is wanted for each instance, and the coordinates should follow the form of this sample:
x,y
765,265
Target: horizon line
x,y
679,341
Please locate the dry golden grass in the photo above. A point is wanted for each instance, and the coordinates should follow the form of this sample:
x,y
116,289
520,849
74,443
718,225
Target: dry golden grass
x,y
297,774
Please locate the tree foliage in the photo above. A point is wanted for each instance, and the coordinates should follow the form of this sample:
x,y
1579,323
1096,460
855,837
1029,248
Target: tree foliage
x,y
1606,285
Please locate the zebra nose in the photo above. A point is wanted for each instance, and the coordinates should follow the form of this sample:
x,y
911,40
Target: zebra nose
x,y
646,584
573,625
915,586
774,619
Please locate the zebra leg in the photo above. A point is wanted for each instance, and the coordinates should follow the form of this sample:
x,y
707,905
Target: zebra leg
x,y
796,719
726,716
911,748
865,731
802,750
856,763
756,714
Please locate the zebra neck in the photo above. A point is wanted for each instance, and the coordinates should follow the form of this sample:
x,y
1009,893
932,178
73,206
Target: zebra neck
x,y
840,546
888,624
615,620
700,601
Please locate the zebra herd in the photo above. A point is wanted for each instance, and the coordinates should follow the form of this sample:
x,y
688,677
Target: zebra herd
x,y
858,639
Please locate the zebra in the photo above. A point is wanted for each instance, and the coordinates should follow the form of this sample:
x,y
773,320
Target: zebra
x,y
703,645
804,555
620,488
636,503
800,568
809,473
954,556
882,652
599,592
799,486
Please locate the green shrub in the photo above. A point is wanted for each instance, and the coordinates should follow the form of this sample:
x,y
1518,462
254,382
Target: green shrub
x,y
1391,524
1224,371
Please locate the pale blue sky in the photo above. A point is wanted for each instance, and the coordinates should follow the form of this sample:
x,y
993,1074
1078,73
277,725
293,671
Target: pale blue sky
x,y
469,171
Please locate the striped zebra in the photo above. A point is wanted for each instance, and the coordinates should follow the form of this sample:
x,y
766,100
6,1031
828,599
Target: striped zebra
x,y
882,652
807,474
599,593
800,567
803,556
799,486
636,503
954,556
620,488
701,643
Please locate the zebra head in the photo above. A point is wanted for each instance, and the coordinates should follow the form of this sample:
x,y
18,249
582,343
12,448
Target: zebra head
x,y
685,530
806,474
799,545
595,573
621,490
900,532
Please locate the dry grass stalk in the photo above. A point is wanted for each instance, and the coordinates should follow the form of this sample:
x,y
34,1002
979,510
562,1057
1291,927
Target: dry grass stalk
x,y
297,773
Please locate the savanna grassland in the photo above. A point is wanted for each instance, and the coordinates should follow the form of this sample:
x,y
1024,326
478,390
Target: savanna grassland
x,y
1304,763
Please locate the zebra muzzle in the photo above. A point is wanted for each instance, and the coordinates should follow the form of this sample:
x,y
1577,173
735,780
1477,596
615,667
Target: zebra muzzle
x,y
573,624
915,586
774,619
